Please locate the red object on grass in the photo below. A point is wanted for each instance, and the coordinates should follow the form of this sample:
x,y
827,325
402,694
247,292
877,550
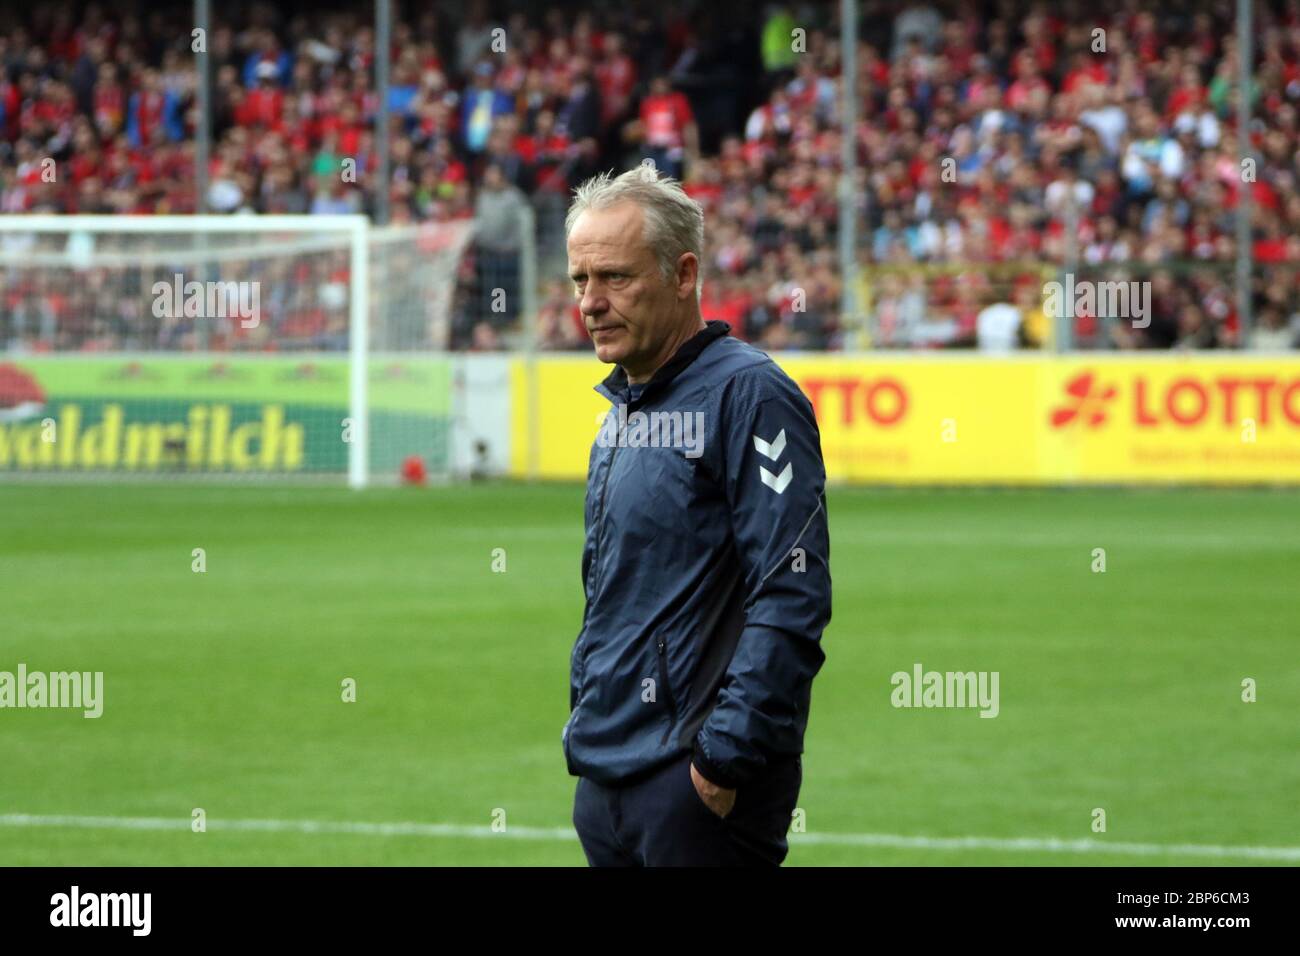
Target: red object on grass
x,y
413,472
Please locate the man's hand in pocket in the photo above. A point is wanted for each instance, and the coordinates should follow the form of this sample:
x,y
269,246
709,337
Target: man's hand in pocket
x,y
718,799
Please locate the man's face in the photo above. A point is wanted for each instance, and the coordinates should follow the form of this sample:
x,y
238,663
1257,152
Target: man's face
x,y
629,308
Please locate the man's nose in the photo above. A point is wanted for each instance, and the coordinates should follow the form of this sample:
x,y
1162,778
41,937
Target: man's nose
x,y
593,301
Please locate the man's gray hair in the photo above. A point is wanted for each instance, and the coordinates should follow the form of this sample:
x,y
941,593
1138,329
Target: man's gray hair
x,y
674,222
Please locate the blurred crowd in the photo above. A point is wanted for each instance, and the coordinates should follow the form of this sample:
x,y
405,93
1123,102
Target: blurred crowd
x,y
995,139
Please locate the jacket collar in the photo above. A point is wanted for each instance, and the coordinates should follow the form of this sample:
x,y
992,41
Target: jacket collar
x,y
615,385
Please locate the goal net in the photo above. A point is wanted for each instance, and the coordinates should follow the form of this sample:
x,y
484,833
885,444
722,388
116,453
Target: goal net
x,y
237,346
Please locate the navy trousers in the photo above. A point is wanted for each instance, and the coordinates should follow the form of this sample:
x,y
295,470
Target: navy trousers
x,y
660,820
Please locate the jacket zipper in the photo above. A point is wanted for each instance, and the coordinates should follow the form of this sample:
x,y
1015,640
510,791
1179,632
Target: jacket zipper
x,y
568,729
668,692
600,518
595,570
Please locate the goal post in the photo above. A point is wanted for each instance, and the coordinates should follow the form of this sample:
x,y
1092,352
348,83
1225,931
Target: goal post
x,y
271,345
358,351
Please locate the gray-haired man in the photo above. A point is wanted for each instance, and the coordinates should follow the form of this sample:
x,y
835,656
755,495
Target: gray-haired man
x,y
706,563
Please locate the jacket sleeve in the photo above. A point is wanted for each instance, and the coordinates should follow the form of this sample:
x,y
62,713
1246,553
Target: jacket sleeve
x,y
775,486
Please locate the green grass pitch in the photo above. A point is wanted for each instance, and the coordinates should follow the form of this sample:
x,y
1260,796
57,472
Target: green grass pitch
x,y
1119,690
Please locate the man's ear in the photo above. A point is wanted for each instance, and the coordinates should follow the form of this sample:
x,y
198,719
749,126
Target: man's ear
x,y
688,271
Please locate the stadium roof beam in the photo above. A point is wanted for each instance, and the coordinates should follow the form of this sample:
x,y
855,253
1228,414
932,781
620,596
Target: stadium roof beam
x,y
1245,252
847,231
383,52
202,135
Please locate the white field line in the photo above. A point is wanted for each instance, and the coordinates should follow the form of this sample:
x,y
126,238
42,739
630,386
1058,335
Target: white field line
x,y
956,535
566,834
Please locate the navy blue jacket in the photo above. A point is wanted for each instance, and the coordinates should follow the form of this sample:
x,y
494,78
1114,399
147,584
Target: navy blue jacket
x,y
706,571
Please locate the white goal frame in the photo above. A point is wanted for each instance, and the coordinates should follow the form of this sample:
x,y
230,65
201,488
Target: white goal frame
x,y
354,230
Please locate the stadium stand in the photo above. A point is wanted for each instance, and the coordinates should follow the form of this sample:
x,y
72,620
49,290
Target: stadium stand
x,y
996,142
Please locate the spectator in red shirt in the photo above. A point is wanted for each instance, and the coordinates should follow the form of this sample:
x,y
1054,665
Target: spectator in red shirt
x,y
727,299
983,79
546,150
667,128
1189,95
264,105
109,102
615,76
1086,69
1029,84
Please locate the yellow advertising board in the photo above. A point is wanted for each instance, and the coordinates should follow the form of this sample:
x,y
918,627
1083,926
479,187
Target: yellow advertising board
x,y
941,419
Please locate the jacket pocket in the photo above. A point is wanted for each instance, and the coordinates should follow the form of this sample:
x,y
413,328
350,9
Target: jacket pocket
x,y
667,686
568,729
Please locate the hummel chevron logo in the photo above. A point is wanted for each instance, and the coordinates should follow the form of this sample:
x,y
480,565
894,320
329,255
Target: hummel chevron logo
x,y
773,451
777,482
